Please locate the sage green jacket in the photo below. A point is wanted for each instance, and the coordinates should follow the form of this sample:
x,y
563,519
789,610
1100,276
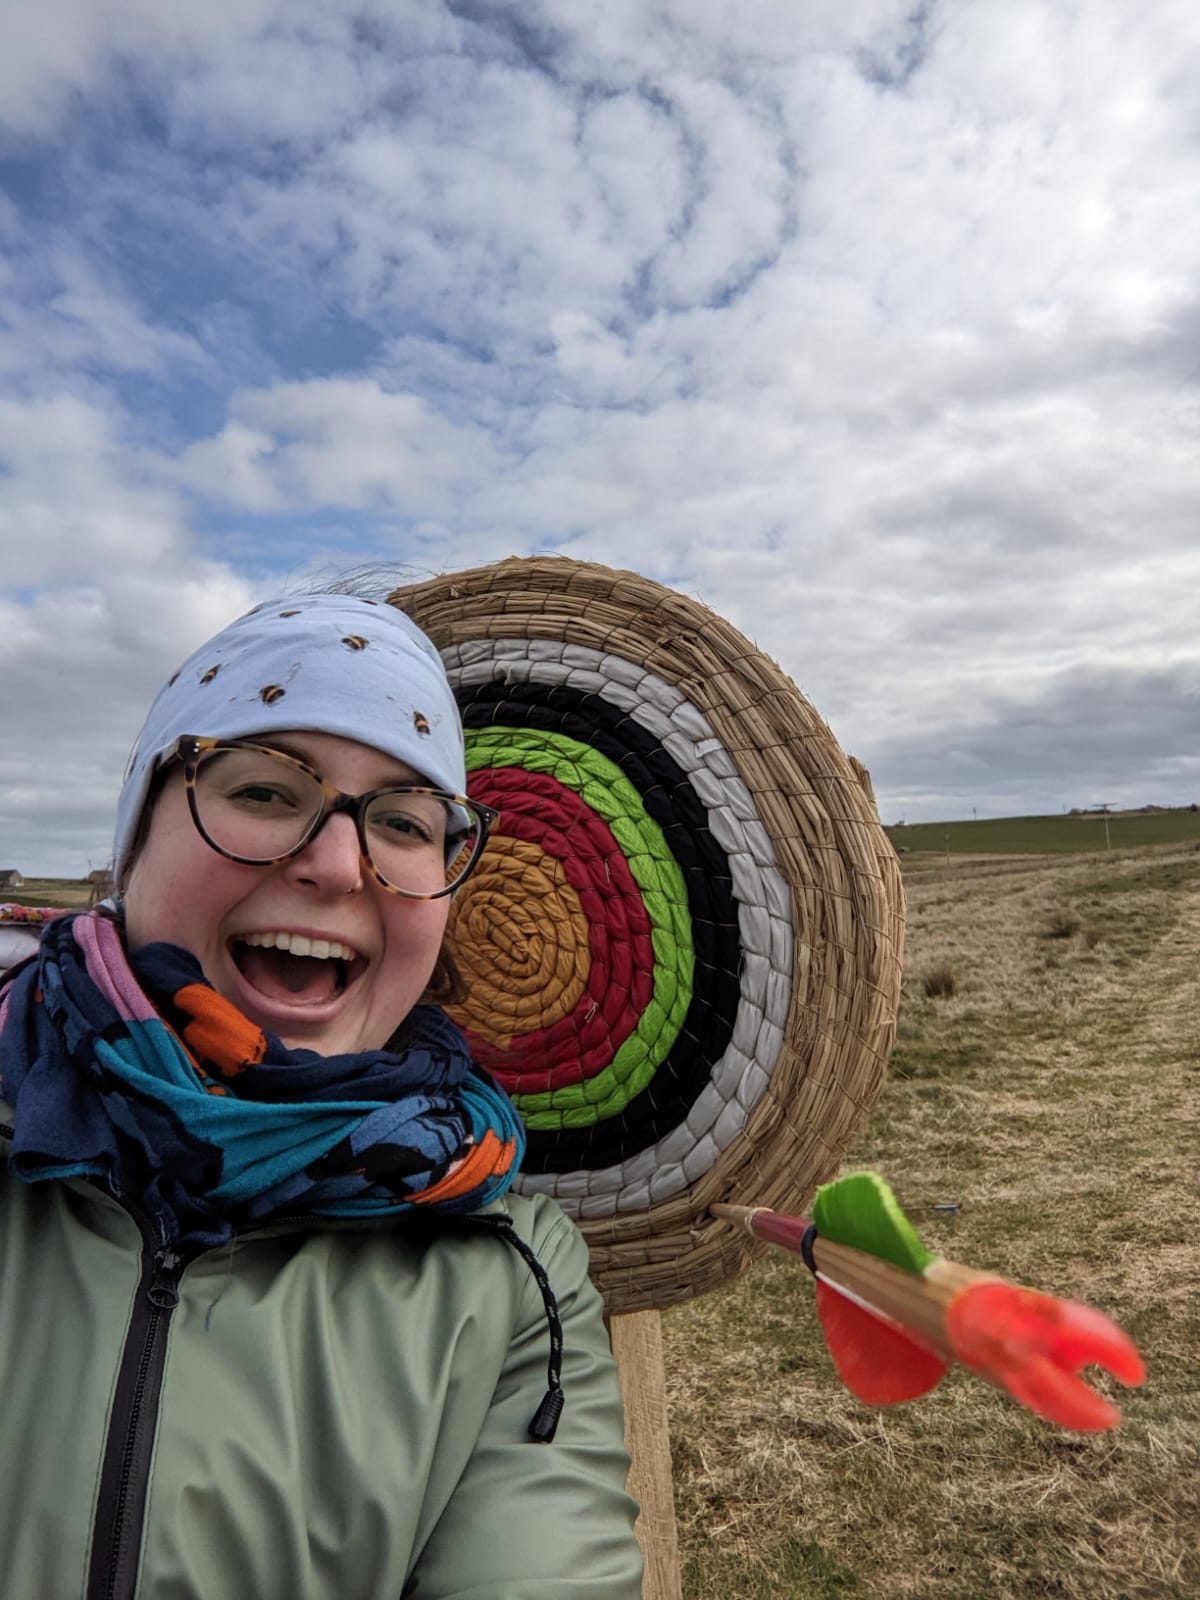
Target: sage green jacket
x,y
334,1412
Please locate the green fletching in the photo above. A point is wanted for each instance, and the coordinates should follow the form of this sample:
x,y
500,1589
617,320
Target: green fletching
x,y
861,1210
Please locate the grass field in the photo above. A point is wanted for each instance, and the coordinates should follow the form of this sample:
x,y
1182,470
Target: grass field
x,y
1012,836
1050,1096
48,892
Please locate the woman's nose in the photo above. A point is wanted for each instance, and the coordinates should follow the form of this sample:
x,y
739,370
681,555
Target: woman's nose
x,y
332,860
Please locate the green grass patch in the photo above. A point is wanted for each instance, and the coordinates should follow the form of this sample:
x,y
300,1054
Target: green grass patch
x,y
1164,875
1054,835
66,892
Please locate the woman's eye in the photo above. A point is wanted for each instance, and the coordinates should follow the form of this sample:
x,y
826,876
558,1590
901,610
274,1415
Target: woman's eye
x,y
260,795
400,824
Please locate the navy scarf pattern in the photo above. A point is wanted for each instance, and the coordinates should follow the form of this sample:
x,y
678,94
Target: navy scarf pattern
x,y
137,1073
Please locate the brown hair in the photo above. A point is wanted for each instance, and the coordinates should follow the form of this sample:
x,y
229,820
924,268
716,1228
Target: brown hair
x,y
445,986
143,829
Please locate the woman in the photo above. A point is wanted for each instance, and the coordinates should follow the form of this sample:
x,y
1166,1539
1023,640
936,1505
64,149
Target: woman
x,y
272,1322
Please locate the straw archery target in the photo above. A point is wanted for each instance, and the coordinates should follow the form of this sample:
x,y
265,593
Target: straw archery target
x,y
680,948
637,1014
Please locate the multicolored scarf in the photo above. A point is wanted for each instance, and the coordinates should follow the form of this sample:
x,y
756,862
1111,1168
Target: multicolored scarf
x,y
140,1074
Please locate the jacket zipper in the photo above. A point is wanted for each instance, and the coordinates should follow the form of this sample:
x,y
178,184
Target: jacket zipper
x,y
124,1474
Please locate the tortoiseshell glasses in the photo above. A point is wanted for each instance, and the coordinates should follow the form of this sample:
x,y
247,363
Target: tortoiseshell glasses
x,y
260,806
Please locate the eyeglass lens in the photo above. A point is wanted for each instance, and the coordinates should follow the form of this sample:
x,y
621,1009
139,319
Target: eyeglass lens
x,y
257,805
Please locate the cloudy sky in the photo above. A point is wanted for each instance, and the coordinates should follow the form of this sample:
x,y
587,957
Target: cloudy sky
x,y
875,325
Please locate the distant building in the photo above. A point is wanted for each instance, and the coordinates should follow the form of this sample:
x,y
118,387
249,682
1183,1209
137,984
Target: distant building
x,y
10,878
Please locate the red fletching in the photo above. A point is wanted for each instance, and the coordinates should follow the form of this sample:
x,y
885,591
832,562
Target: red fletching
x,y
875,1360
1033,1345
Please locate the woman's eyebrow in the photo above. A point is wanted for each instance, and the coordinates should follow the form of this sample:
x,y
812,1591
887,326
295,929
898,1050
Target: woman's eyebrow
x,y
283,748
272,743
401,773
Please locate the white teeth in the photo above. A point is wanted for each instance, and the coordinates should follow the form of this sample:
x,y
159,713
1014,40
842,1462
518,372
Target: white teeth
x,y
301,945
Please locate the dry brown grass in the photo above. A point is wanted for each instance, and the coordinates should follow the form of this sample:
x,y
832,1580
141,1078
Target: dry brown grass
x,y
938,982
1051,1098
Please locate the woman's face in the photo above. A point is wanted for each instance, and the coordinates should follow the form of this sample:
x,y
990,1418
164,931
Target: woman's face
x,y
230,916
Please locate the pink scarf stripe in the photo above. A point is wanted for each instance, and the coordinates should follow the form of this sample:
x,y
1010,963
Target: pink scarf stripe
x,y
108,968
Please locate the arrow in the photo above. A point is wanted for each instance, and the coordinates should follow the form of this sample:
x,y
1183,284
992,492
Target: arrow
x,y
895,1316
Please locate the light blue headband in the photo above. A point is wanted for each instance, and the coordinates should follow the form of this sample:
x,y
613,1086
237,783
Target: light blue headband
x,y
314,663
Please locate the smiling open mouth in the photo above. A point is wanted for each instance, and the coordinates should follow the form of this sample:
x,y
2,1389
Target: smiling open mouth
x,y
295,969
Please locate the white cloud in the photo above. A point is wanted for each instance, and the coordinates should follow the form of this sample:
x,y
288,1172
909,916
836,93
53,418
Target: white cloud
x,y
337,442
79,666
634,152
63,313
57,47
68,509
738,194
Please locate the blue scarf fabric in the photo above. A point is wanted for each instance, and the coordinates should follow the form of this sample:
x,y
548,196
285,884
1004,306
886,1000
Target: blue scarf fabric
x,y
141,1075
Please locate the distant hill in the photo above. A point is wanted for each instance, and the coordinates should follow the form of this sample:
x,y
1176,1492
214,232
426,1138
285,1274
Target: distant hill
x,y
1077,831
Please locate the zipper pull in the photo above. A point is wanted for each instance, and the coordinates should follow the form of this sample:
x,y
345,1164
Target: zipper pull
x,y
163,1289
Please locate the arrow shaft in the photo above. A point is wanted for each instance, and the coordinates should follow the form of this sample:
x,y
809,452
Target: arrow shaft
x,y
916,1303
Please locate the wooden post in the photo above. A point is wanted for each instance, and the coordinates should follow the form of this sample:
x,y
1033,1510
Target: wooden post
x,y
637,1345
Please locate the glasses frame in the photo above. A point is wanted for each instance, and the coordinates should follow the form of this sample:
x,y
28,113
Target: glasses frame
x,y
190,750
